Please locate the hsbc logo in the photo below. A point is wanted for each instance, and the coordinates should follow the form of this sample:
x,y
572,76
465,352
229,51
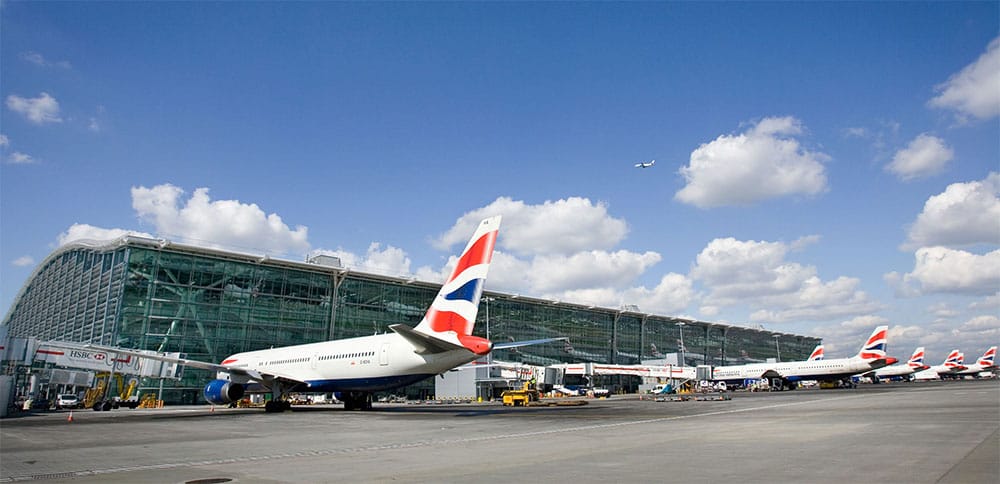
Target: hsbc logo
x,y
86,355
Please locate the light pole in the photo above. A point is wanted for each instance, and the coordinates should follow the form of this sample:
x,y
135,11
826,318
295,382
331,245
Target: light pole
x,y
680,326
489,356
776,347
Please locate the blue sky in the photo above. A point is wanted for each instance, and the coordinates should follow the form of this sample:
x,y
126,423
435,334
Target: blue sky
x,y
821,167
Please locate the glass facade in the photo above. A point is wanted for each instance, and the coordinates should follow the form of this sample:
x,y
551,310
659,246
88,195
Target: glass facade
x,y
208,304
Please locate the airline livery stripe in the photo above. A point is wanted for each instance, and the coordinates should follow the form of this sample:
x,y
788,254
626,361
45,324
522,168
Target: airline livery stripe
x,y
480,253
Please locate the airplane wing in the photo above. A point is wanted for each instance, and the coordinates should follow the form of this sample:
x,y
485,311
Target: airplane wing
x,y
152,355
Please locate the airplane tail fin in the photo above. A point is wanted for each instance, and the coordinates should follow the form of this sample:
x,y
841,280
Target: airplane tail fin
x,y
952,361
452,315
988,358
874,348
817,354
917,359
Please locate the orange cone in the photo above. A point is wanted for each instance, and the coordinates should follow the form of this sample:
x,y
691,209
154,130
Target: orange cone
x,y
70,417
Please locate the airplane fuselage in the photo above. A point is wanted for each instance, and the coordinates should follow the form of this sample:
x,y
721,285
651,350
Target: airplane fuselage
x,y
823,370
366,364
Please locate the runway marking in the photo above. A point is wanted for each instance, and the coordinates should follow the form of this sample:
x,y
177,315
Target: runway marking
x,y
410,445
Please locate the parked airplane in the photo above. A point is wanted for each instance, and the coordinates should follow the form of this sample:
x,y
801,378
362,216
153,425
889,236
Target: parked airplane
x,y
915,364
645,165
356,367
817,354
949,367
786,374
984,363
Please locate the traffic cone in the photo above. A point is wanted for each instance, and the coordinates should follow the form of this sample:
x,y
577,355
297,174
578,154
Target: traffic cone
x,y
70,417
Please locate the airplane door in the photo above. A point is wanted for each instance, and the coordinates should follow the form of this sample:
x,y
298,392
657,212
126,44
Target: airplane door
x,y
383,355
314,361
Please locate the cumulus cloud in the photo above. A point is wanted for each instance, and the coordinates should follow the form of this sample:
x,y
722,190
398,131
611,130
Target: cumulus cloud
x,y
925,155
4,141
964,214
215,223
39,110
89,232
756,273
764,162
563,250
563,226
944,270
973,91
23,261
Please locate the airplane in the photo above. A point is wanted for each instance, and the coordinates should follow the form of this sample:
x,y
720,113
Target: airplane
x,y
353,368
645,165
984,363
915,364
817,354
950,366
786,374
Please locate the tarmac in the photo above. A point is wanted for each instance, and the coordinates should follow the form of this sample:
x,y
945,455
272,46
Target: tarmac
x,y
947,432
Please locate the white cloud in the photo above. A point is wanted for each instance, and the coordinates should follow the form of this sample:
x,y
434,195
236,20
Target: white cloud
x,y
40,110
924,156
23,261
756,273
975,90
764,162
964,214
988,303
4,141
40,60
18,158
219,223
982,323
563,227
944,270
561,250
585,269
89,232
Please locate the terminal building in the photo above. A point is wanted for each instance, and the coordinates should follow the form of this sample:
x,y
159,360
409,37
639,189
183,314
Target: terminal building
x,y
207,304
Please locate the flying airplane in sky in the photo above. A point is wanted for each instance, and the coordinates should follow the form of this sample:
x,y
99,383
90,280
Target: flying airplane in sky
x,y
356,367
872,356
817,354
984,363
949,367
915,364
645,165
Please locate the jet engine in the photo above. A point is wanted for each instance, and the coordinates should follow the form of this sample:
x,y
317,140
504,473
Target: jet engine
x,y
223,392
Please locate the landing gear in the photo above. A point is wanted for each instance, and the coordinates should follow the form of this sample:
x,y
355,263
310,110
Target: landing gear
x,y
273,406
357,401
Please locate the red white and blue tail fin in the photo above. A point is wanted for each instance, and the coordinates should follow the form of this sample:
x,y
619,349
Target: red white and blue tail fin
x,y
874,348
953,360
452,315
817,354
988,358
917,359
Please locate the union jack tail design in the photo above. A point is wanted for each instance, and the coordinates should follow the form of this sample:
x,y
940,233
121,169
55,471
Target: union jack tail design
x,y
453,312
917,359
953,360
874,348
986,361
817,354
